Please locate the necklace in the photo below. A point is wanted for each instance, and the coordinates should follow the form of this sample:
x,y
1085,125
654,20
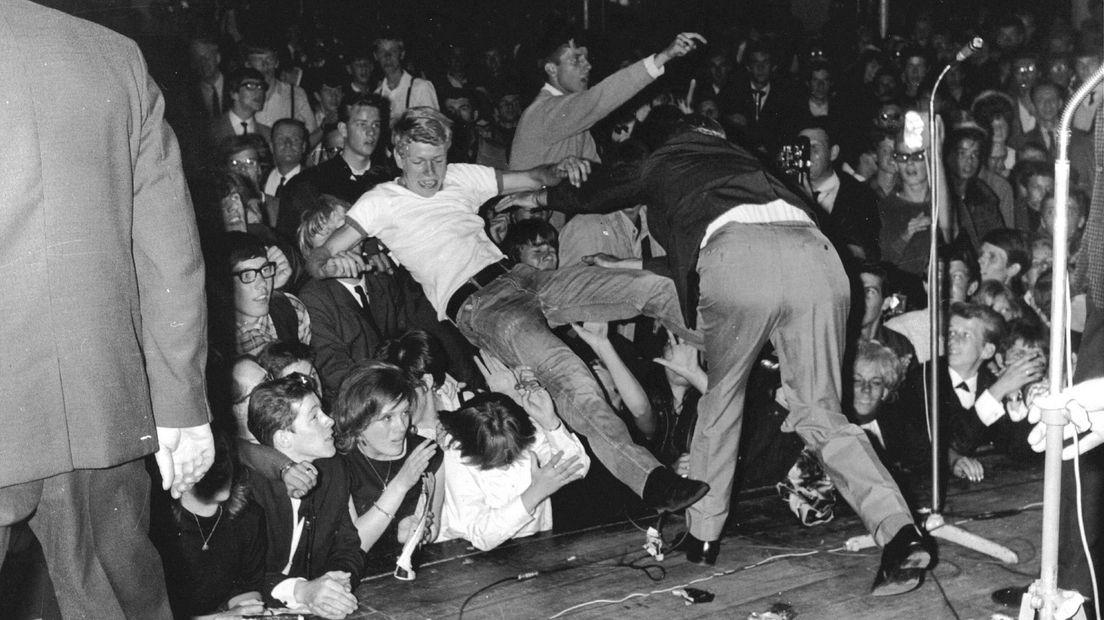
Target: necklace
x,y
383,480
207,538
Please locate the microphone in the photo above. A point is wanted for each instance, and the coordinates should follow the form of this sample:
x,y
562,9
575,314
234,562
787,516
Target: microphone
x,y
969,49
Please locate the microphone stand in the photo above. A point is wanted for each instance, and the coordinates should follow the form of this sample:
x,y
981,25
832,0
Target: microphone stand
x,y
934,522
1044,595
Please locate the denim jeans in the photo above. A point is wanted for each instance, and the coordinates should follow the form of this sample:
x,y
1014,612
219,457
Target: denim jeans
x,y
510,318
783,283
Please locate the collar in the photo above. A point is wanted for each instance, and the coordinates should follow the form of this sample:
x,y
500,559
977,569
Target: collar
x,y
351,284
828,185
404,82
765,90
236,120
552,90
956,378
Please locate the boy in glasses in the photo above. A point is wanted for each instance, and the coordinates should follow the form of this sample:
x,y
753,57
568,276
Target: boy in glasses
x,y
261,313
245,97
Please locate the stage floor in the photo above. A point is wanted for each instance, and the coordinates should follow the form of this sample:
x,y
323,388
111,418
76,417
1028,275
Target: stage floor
x,y
603,572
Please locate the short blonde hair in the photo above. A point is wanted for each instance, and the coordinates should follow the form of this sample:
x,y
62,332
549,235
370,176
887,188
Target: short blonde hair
x,y
314,220
421,124
890,366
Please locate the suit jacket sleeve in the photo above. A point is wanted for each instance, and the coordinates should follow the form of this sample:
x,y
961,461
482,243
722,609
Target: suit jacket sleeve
x,y
169,268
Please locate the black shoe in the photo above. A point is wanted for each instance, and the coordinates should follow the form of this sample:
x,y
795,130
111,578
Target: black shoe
x,y
1009,597
904,560
666,491
700,551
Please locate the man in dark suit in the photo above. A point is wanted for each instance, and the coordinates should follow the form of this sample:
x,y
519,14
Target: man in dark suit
x,y
205,61
104,325
762,107
313,560
848,208
971,398
245,91
350,317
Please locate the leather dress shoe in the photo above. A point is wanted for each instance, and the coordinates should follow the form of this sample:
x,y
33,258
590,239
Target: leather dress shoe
x,y
700,551
666,491
1009,597
904,561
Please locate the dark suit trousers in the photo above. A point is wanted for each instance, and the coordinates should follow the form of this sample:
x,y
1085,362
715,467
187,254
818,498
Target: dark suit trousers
x,y
783,283
94,528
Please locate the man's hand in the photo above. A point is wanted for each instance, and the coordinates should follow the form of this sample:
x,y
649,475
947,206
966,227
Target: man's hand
x,y
538,404
574,169
592,333
969,469
283,267
523,200
329,596
612,262
683,44
347,264
183,456
498,375
918,224
549,478
299,479
1016,375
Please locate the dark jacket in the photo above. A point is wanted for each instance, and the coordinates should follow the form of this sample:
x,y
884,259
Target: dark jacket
x,y
687,183
329,541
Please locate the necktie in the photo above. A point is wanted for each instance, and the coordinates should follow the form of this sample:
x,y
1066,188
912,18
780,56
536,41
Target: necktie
x,y
245,127
281,185
216,104
963,386
759,94
367,312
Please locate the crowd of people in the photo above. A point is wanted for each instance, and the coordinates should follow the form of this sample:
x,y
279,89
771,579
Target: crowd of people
x,y
437,296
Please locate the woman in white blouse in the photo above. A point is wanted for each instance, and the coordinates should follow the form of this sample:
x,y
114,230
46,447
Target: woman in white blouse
x,y
502,463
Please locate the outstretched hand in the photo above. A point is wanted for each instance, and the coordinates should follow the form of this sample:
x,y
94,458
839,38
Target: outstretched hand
x,y
574,169
684,43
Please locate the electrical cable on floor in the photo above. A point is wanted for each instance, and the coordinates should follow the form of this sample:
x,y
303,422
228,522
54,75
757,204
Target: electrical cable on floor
x,y
946,600
685,585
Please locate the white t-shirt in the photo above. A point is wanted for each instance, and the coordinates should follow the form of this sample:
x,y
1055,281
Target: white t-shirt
x,y
440,239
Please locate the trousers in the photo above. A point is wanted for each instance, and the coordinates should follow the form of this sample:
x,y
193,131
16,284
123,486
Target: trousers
x,y
782,283
93,525
510,318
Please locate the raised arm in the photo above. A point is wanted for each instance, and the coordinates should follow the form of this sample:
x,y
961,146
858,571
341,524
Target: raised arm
x,y
334,259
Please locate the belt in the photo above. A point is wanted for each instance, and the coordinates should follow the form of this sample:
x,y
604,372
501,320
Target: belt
x,y
480,280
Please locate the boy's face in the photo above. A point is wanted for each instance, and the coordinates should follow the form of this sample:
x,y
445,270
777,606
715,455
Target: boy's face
x,y
993,263
1039,187
1022,350
540,255
967,347
251,298
311,435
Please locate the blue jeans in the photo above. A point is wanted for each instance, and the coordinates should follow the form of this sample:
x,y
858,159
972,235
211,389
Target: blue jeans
x,y
510,319
783,283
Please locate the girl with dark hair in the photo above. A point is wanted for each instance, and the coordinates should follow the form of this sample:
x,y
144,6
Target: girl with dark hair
x,y
213,549
394,475
502,463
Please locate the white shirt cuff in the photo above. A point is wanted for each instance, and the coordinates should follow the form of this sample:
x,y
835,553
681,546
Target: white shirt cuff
x,y
651,68
988,408
285,592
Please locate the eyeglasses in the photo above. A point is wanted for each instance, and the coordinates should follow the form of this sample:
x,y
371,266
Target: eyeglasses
x,y
248,161
248,276
254,85
907,157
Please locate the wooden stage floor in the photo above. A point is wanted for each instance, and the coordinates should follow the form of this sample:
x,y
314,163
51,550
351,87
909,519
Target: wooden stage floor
x,y
603,572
